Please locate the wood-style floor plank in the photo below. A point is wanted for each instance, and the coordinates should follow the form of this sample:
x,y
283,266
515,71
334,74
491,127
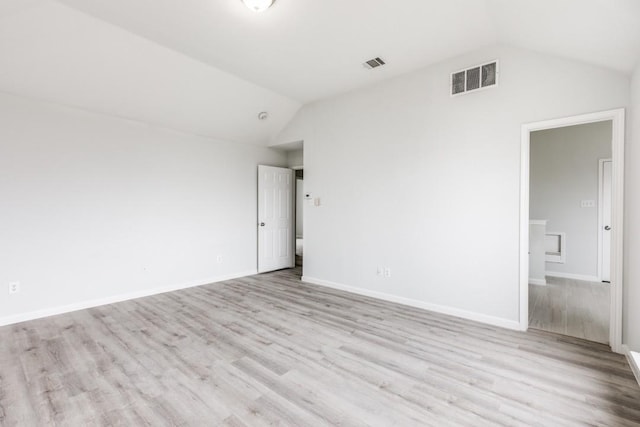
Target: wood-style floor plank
x,y
270,350
571,307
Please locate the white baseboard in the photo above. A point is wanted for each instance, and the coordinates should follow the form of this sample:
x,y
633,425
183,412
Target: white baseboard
x,y
38,314
573,276
634,361
464,314
539,282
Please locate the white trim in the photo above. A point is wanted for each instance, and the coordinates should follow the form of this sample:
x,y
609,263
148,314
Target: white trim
x,y
634,361
601,163
524,228
537,282
538,222
618,133
617,224
464,314
572,276
38,314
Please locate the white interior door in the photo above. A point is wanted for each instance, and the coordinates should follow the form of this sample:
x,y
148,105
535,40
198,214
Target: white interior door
x,y
275,219
605,221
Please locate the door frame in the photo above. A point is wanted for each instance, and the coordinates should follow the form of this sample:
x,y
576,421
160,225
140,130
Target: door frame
x,y
601,225
617,118
295,214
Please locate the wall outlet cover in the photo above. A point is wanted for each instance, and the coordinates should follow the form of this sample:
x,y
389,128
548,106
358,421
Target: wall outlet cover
x,y
14,288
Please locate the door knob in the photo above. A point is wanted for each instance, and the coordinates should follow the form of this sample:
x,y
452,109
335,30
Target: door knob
x,y
262,224
606,227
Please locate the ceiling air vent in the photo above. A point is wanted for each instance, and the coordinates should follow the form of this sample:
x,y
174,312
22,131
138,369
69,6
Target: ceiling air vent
x,y
374,63
474,78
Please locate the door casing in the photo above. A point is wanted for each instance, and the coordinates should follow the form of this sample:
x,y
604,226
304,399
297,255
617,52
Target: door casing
x,y
617,118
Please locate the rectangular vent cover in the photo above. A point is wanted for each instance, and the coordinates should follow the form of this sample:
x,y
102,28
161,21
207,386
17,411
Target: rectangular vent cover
x,y
374,63
474,78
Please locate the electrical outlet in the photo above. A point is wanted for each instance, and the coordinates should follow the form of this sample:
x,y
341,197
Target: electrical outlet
x,y
387,272
219,259
14,288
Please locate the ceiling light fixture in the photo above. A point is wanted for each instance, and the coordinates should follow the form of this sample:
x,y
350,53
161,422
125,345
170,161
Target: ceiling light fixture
x,y
258,5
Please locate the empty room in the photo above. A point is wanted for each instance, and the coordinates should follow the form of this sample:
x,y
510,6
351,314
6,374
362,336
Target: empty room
x,y
310,213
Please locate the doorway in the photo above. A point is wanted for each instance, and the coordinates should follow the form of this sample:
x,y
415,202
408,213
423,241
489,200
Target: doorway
x,y
281,201
566,230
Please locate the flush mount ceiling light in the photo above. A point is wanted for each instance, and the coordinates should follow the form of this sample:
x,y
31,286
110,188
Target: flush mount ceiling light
x,y
258,5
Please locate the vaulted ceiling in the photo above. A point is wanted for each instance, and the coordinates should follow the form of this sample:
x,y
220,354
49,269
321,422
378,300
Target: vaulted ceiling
x,y
210,66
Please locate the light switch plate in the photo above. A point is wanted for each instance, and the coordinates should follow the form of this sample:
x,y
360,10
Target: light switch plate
x,y
588,204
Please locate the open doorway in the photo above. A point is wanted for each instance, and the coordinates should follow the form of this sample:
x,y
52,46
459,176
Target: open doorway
x,y
295,161
294,154
571,226
567,291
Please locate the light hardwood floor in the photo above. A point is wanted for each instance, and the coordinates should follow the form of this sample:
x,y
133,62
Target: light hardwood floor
x,y
269,350
571,307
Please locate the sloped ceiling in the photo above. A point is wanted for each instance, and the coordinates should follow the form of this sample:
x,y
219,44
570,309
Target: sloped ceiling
x,y
210,66
306,49
600,32
52,52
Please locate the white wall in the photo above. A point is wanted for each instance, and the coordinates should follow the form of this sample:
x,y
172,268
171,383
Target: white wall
x,y
295,158
434,194
95,207
631,320
564,171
